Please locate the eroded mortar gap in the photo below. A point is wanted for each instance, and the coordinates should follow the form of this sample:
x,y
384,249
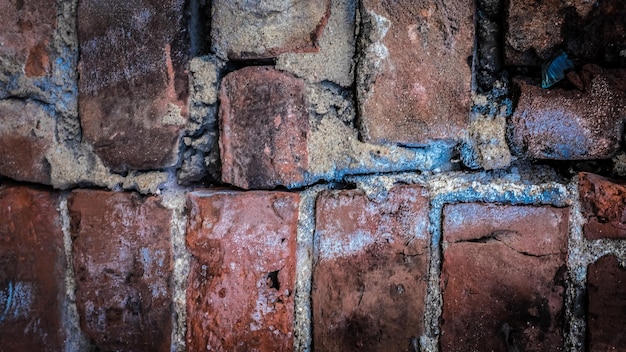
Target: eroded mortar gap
x,y
237,64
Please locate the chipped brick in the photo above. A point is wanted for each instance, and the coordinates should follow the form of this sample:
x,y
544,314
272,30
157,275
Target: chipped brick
x,y
26,133
603,203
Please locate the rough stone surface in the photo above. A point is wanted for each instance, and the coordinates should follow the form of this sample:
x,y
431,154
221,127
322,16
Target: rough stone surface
x,y
413,77
241,285
606,305
249,30
568,124
503,277
263,128
590,31
26,134
26,29
133,83
122,265
335,60
603,202
32,271
369,281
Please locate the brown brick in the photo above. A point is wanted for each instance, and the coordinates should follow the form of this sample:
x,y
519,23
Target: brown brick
x,y
241,285
414,79
369,281
606,305
32,271
133,84
26,29
123,265
603,202
503,277
591,31
266,29
564,124
264,128
26,133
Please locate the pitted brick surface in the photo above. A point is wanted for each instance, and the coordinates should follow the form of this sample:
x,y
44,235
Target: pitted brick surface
x,y
123,267
413,79
241,284
603,202
32,271
264,128
133,85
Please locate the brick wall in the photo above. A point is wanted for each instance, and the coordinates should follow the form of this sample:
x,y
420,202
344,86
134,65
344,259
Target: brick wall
x,y
331,175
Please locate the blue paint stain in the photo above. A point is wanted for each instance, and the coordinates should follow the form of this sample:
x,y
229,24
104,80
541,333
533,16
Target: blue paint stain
x,y
554,70
8,302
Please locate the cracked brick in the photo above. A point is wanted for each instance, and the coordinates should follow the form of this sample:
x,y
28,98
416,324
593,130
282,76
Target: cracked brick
x,y
369,279
503,277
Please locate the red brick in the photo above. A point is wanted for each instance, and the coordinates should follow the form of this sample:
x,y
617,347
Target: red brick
x,y
241,285
568,124
26,133
123,265
133,85
26,29
264,128
266,29
369,282
503,277
603,203
591,31
606,305
414,84
32,271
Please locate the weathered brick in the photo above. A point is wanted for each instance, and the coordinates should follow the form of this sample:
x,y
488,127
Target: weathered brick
x,y
369,281
26,29
26,134
603,202
32,271
241,285
503,277
591,31
251,30
133,84
568,124
606,305
122,264
264,128
413,80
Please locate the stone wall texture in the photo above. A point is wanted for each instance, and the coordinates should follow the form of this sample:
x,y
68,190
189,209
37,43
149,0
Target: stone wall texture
x,y
325,175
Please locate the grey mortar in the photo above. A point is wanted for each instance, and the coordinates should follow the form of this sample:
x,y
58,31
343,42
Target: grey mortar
x,y
304,268
174,199
75,340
